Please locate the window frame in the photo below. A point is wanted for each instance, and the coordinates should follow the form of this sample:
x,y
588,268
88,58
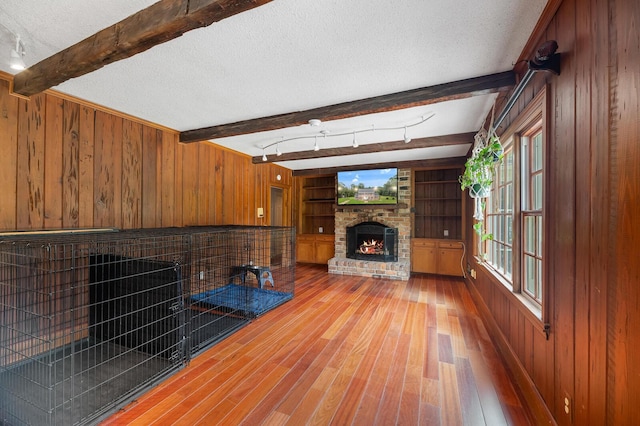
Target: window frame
x,y
494,212
533,117
528,209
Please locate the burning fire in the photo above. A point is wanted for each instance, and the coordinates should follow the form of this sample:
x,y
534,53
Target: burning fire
x,y
371,247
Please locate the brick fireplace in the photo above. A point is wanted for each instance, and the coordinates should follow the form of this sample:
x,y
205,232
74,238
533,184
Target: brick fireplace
x,y
398,217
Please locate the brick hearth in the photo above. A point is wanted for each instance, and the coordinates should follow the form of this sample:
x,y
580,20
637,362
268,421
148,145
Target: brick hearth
x,y
394,216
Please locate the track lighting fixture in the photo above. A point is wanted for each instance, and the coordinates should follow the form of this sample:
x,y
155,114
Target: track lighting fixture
x,y
407,139
16,62
326,134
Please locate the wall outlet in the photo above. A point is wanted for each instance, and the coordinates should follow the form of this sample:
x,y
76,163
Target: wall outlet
x,y
446,232
202,275
320,230
567,405
260,212
473,274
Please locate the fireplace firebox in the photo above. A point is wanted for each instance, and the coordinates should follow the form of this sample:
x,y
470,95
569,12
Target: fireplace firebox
x,y
372,241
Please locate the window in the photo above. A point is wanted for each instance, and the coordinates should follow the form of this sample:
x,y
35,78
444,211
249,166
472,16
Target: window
x,y
515,209
500,218
532,231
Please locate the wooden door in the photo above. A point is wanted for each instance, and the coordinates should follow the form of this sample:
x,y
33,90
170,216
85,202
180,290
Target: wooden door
x,y
277,210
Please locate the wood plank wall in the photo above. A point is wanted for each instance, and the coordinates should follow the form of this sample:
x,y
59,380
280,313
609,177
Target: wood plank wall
x,y
592,258
66,164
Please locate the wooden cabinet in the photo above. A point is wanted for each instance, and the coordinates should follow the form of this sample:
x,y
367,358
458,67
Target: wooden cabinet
x,y
442,257
424,256
438,204
314,248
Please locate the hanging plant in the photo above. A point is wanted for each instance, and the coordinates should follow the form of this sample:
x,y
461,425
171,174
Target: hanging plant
x,y
480,168
478,175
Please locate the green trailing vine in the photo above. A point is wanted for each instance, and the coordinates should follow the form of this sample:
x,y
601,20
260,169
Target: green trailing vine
x,y
478,176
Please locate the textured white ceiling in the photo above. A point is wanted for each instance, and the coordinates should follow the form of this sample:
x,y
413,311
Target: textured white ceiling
x,y
290,55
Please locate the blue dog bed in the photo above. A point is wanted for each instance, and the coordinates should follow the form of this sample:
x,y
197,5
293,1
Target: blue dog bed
x,y
252,301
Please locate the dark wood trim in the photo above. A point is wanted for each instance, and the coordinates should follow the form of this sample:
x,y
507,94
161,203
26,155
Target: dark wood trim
x,y
536,35
411,98
437,162
536,408
158,23
429,142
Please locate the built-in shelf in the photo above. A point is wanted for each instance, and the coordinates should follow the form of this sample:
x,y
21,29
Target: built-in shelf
x,y
311,187
316,206
437,182
315,242
437,204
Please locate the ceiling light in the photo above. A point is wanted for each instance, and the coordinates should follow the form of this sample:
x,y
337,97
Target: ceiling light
x,y
16,61
407,139
326,133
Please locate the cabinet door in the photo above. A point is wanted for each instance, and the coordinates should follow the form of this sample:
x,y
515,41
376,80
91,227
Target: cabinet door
x,y
424,259
324,251
449,261
305,251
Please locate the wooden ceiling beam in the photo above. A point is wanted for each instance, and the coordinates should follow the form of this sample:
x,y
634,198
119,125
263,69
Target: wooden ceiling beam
x,y
158,23
429,142
415,164
411,98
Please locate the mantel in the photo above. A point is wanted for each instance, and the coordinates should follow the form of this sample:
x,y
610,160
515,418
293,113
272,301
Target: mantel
x,y
358,207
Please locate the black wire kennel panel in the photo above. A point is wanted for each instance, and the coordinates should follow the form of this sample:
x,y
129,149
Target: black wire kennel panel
x,y
237,275
85,324
89,320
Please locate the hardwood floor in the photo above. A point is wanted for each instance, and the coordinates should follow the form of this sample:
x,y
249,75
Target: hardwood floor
x,y
345,350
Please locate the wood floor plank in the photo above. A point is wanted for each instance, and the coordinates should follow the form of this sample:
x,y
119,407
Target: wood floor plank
x,y
345,351
431,367
247,401
445,350
390,403
450,411
468,393
457,338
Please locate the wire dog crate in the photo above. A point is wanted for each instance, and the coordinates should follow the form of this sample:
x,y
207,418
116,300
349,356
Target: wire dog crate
x,y
89,320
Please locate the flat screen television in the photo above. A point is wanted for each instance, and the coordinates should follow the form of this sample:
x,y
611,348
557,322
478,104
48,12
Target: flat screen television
x,y
368,187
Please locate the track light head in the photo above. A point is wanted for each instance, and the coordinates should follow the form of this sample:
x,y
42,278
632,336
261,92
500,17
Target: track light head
x,y
407,139
16,62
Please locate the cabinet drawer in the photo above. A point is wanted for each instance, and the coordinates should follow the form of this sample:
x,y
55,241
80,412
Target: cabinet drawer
x,y
452,244
424,243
